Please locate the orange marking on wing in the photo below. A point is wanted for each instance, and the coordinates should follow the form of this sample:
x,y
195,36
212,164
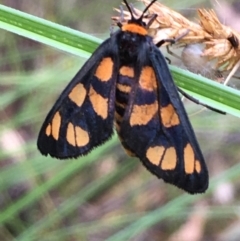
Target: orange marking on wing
x,y
124,88
105,69
198,167
82,137
71,135
142,114
126,71
169,160
78,94
100,104
147,79
56,123
154,154
134,28
169,116
48,130
189,159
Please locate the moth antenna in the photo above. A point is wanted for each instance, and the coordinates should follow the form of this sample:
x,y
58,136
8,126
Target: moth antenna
x,y
129,8
145,10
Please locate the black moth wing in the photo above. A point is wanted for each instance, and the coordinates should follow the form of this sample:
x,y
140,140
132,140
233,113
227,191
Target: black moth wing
x,y
162,136
82,117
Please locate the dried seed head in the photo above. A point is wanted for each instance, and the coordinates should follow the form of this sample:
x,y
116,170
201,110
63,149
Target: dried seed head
x,y
221,43
176,24
224,44
168,24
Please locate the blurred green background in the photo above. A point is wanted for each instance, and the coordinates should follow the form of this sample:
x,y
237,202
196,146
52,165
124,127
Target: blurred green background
x,y
105,195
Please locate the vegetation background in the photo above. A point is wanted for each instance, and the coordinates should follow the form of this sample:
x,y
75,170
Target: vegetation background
x,y
105,195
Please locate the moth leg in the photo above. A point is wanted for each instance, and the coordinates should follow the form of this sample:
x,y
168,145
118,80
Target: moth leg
x,y
172,40
152,19
169,51
198,102
168,60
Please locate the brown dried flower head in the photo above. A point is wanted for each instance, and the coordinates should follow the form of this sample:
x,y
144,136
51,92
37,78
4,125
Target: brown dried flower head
x,y
224,41
221,42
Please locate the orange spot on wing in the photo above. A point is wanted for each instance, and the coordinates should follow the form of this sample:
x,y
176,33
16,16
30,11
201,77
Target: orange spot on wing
x,y
82,137
169,160
124,88
48,130
56,123
147,79
169,116
100,104
71,135
105,69
154,154
126,71
142,114
76,136
198,166
189,159
134,28
78,94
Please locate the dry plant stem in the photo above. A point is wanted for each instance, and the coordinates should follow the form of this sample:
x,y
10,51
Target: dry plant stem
x,y
233,71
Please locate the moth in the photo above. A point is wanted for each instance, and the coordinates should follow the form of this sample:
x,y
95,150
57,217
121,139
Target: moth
x,y
127,83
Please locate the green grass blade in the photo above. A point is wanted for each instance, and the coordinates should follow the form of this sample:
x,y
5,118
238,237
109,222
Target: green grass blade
x,y
209,92
47,32
75,42
78,43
